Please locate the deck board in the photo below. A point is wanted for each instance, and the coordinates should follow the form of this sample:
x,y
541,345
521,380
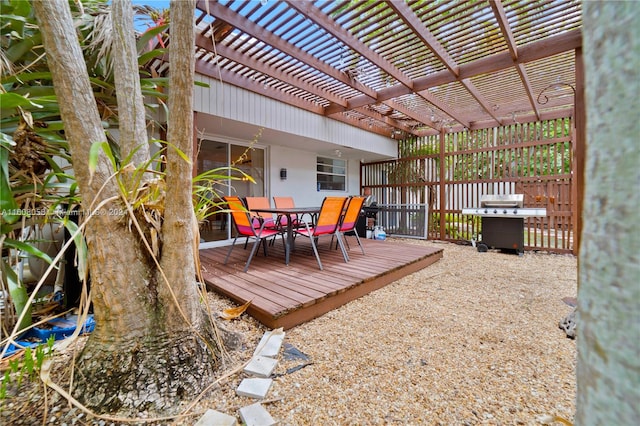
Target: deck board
x,y
287,295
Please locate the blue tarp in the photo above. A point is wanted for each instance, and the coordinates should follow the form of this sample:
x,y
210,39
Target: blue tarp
x,y
60,328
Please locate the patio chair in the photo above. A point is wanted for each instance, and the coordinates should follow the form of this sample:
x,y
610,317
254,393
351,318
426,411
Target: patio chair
x,y
327,223
286,203
244,225
348,222
254,204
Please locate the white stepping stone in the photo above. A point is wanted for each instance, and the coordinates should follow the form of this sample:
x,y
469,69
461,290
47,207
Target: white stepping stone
x,y
254,387
256,415
216,418
261,366
270,343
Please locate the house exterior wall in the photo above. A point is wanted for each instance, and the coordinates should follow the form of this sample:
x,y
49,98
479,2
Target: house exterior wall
x,y
301,176
293,138
223,100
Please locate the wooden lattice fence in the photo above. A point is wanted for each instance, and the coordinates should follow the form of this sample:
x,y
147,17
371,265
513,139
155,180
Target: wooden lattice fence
x,y
422,193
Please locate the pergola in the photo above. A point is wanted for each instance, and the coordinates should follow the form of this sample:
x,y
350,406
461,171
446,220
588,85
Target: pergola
x,y
400,68
405,69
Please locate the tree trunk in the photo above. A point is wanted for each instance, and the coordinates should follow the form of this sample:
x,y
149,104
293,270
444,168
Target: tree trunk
x,y
152,346
608,337
132,128
180,226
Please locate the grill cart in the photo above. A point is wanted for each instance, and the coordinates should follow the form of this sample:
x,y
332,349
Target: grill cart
x,y
503,221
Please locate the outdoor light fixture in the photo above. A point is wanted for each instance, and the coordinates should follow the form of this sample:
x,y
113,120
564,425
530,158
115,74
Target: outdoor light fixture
x,y
283,174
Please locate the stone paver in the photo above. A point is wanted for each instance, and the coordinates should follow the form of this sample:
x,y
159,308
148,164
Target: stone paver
x,y
270,343
216,418
261,366
256,415
254,387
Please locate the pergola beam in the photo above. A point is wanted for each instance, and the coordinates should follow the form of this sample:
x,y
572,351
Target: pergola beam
x,y
384,119
235,79
418,28
496,62
503,22
422,118
319,87
314,14
405,13
243,24
471,88
239,58
526,118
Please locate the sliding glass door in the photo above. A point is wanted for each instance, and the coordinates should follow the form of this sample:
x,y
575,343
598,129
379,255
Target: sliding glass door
x,y
225,158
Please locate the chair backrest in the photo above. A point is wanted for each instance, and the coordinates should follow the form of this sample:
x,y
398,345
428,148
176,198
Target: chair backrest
x,y
256,203
329,216
284,202
354,206
241,217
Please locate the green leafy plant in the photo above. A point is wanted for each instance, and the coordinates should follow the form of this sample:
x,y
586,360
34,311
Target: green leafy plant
x,y
3,385
458,227
26,366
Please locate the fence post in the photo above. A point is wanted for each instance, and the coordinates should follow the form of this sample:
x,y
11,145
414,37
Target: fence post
x,y
443,199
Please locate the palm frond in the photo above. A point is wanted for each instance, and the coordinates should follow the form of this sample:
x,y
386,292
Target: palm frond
x,y
100,40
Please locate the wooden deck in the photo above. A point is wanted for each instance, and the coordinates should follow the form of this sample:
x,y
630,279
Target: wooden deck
x,y
285,296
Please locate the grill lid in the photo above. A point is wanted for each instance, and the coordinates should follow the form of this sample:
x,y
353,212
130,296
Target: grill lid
x,y
502,200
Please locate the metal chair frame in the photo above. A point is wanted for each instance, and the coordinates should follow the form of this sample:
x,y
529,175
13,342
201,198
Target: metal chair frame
x,y
243,222
287,202
327,223
349,220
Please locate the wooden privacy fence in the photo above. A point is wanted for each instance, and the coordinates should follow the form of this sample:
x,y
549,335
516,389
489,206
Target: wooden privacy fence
x,y
422,193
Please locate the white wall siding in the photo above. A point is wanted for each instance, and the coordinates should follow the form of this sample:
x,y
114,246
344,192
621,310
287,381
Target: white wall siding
x,y
231,102
301,176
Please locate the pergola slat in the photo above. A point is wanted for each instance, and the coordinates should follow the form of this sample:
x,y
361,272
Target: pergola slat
x,y
392,62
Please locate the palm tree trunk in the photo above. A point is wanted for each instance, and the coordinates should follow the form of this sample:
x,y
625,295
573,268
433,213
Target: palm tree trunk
x,y
151,347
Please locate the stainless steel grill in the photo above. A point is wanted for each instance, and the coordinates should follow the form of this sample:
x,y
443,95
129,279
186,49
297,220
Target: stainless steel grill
x,y
503,221
500,205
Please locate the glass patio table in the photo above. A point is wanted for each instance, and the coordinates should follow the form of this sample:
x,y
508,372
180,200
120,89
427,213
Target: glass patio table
x,y
289,212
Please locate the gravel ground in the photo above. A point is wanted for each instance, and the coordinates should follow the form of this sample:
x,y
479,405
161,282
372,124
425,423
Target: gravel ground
x,y
470,340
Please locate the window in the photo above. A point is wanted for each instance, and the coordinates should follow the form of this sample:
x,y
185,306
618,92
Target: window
x,y
331,174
